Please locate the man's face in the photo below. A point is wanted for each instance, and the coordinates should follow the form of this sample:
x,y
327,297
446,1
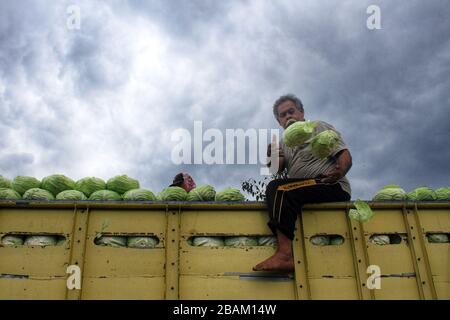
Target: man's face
x,y
188,183
287,111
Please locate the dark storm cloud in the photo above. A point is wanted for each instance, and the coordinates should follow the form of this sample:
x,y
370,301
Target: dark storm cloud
x,y
224,63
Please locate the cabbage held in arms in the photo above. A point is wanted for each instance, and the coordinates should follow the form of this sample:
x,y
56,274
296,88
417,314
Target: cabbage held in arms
x,y
5,183
323,144
105,195
389,193
173,194
89,185
298,133
22,183
57,183
9,194
230,194
202,193
442,194
139,195
38,194
421,194
122,184
71,195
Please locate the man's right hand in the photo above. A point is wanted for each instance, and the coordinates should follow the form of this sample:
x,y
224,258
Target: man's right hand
x,y
277,150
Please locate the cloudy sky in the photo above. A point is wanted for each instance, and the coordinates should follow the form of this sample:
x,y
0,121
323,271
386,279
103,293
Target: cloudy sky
x,y
104,99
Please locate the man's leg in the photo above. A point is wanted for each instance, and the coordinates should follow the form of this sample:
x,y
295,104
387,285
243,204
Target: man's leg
x,y
283,214
282,259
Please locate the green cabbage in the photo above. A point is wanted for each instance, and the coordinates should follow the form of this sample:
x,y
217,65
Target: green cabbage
x,y
362,212
142,242
122,184
208,242
57,183
9,194
139,195
89,185
240,241
202,193
230,194
323,144
105,195
38,194
111,241
268,241
442,194
5,183
421,194
320,240
390,192
336,240
23,183
380,239
71,195
298,133
173,194
12,240
438,238
42,241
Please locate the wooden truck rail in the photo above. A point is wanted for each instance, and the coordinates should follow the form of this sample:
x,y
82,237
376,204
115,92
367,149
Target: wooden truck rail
x,y
411,268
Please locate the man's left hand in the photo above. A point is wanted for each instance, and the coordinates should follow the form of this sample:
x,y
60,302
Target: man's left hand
x,y
333,176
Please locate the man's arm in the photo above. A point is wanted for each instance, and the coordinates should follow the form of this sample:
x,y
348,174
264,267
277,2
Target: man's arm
x,y
343,165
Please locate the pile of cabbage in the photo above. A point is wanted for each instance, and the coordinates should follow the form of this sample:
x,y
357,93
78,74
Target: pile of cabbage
x,y
137,242
326,240
239,241
395,192
32,240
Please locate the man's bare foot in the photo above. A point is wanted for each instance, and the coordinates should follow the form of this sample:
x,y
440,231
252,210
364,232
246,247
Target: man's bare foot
x,y
277,262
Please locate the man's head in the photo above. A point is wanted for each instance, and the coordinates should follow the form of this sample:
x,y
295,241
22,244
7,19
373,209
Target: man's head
x,y
185,181
286,108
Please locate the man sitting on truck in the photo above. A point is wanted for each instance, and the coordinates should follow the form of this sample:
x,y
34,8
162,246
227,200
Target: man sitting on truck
x,y
310,180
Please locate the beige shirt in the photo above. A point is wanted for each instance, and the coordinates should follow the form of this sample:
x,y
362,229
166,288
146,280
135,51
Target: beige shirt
x,y
301,164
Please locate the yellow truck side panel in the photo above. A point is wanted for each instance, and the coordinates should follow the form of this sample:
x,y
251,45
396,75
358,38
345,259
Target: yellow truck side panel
x,y
412,268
